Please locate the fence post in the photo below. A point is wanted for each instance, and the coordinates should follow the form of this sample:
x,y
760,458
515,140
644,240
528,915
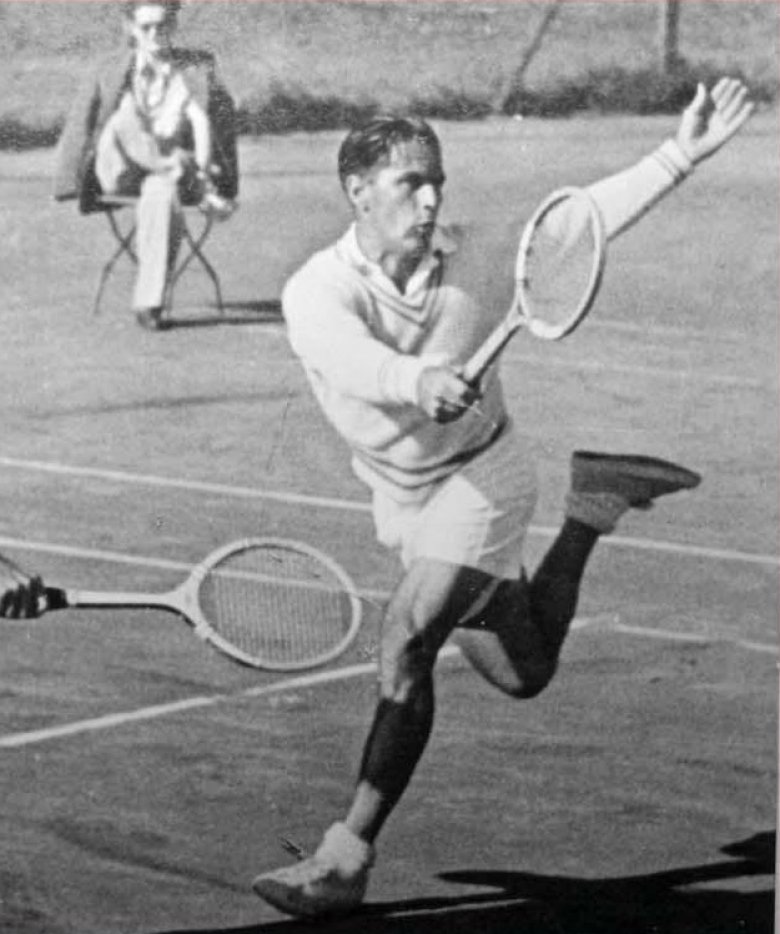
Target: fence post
x,y
514,81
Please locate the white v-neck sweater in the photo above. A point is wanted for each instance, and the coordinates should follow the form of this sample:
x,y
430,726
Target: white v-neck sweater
x,y
363,344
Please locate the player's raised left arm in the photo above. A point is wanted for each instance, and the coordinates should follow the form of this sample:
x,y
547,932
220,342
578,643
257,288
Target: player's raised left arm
x,y
707,123
713,118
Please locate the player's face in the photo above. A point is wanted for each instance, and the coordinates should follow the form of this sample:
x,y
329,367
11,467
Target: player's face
x,y
399,200
151,29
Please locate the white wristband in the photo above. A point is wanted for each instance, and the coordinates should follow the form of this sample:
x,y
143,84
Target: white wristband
x,y
672,157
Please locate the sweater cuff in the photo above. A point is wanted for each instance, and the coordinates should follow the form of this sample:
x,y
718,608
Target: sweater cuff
x,y
400,377
671,156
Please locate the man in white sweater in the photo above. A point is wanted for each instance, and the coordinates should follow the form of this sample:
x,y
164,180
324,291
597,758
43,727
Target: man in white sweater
x,y
382,327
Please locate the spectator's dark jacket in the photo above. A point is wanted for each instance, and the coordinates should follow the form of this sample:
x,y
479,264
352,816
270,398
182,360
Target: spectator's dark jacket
x,y
99,97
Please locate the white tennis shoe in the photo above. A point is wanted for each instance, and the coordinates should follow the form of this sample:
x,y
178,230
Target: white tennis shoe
x,y
332,881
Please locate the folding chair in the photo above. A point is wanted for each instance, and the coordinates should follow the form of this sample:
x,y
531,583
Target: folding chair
x,y
194,239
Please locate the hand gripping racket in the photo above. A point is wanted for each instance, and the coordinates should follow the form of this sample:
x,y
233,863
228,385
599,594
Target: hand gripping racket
x,y
269,603
558,270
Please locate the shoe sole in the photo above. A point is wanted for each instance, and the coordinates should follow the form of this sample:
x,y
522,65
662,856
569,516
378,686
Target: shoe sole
x,y
278,896
151,322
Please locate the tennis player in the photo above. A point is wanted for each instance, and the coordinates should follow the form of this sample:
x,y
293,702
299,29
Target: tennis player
x,y
381,332
19,591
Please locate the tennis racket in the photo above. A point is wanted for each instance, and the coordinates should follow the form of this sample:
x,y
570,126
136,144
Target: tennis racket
x,y
558,270
269,603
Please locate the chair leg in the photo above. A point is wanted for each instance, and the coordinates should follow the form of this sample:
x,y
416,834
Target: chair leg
x,y
195,244
125,246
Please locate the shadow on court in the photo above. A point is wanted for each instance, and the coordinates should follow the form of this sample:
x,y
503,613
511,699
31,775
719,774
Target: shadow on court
x,y
537,904
267,311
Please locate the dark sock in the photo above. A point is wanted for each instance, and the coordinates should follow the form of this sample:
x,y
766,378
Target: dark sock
x,y
396,741
555,586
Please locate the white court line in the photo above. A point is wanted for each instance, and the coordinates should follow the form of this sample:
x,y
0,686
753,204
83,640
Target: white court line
x,y
691,551
109,721
246,492
682,374
665,330
15,740
289,498
118,557
702,638
28,738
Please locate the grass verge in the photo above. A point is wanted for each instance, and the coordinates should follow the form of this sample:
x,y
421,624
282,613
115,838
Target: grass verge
x,y
610,90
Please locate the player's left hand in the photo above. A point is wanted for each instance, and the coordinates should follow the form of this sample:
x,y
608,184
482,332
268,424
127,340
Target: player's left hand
x,y
20,593
713,117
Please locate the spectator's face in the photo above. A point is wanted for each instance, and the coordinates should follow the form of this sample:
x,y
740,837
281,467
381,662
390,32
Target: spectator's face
x,y
151,29
397,202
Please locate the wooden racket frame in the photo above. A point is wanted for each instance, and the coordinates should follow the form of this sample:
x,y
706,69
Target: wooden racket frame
x,y
183,600
518,315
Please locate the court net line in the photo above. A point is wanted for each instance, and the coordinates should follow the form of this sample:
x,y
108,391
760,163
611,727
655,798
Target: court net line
x,y
325,502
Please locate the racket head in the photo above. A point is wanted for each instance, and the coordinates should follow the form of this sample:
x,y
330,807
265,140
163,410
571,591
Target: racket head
x,y
560,263
275,604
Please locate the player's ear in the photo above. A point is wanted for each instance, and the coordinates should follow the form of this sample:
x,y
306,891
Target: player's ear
x,y
356,188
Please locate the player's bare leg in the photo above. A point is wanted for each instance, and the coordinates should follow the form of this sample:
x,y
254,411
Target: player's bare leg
x,y
430,600
516,643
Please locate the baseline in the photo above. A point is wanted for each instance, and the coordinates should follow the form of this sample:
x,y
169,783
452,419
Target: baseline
x,y
325,502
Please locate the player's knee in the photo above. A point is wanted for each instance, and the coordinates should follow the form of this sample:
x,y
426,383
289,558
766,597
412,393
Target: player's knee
x,y
531,685
406,660
411,655
525,681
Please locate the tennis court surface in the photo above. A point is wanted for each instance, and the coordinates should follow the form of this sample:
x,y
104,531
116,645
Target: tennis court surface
x,y
146,779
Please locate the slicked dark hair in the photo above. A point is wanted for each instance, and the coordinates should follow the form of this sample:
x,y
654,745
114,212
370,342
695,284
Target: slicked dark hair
x,y
369,143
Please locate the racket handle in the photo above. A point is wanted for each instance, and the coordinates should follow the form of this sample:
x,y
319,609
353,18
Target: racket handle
x,y
487,354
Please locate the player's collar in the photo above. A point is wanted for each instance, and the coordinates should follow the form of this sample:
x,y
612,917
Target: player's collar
x,y
442,245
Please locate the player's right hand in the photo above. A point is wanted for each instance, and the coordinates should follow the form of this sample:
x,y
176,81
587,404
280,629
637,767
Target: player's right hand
x,y
443,394
20,594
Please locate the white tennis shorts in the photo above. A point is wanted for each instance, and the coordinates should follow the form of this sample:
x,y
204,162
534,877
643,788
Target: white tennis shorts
x,y
478,517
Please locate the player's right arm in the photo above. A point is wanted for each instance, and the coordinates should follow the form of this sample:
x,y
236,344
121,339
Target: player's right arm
x,y
443,395
329,330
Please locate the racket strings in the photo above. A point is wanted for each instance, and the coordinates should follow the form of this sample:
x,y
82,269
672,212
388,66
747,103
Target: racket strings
x,y
559,264
276,605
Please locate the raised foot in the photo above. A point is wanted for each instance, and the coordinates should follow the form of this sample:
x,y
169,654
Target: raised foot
x,y
636,478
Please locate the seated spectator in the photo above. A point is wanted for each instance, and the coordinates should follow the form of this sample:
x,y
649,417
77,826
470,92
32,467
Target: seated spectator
x,y
157,125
